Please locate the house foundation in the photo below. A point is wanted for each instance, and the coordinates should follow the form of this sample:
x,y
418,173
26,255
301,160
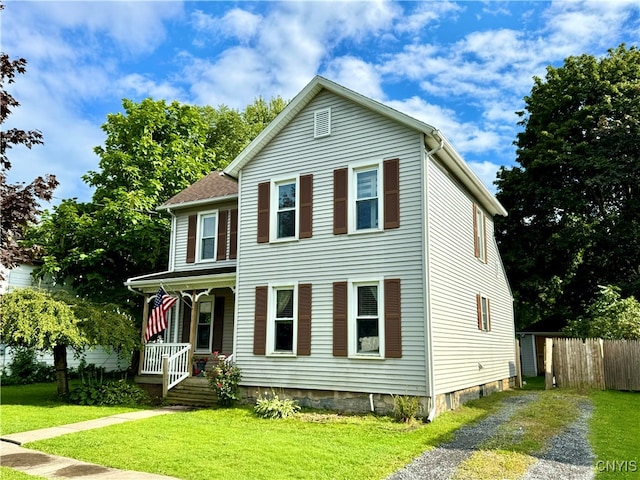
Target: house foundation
x,y
381,404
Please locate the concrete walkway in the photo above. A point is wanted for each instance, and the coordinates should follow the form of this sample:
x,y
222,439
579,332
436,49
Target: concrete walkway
x,y
13,455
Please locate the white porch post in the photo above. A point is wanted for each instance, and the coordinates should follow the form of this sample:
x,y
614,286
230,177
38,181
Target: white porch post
x,y
192,329
145,320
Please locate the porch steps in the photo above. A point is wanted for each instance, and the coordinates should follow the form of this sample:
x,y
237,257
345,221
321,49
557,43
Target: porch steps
x,y
192,391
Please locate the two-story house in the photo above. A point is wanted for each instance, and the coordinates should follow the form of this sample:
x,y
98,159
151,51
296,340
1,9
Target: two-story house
x,y
346,254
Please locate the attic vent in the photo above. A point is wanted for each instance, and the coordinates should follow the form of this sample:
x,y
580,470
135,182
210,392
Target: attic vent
x,y
322,123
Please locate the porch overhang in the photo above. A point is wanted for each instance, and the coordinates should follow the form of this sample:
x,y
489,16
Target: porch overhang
x,y
217,277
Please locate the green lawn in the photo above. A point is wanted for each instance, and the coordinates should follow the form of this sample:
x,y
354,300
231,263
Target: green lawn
x,y
30,407
234,444
615,434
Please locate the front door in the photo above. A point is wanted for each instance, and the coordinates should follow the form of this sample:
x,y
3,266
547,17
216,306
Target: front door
x,y
209,330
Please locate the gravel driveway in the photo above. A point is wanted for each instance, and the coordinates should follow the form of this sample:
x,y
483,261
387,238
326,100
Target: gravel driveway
x,y
568,456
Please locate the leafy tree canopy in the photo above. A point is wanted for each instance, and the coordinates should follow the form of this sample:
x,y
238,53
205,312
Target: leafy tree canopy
x,y
153,150
609,316
574,198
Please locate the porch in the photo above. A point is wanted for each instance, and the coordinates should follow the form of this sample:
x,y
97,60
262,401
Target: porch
x,y
200,323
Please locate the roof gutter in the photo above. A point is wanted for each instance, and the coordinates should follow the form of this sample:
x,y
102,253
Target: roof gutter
x,y
431,390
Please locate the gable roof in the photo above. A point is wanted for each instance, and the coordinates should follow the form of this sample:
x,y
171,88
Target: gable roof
x,y
446,152
214,187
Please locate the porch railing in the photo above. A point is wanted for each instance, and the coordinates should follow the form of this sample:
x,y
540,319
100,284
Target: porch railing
x,y
153,353
175,368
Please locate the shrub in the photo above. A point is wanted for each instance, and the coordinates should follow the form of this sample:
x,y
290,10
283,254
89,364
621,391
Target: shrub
x,y
224,379
109,393
273,407
25,369
405,407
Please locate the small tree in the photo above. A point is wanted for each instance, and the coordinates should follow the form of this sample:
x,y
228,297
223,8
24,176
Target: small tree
x,y
609,316
36,319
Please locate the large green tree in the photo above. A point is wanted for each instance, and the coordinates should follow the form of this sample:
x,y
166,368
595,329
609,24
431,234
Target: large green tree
x,y
574,197
153,150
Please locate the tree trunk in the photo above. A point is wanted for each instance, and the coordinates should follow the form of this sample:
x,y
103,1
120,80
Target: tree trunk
x,y
60,362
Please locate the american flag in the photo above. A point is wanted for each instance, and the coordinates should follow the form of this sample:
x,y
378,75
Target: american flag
x,y
158,318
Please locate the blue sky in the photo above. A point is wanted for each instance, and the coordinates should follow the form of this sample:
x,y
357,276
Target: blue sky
x,y
463,67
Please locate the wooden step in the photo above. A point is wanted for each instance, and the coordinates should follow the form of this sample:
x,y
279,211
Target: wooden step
x,y
193,391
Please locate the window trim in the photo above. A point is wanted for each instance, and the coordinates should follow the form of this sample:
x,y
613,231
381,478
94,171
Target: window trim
x,y
352,313
480,233
483,305
352,194
212,300
199,232
272,298
273,209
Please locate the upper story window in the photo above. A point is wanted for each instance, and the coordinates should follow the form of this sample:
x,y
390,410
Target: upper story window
x,y
208,225
367,198
480,233
484,313
286,207
322,123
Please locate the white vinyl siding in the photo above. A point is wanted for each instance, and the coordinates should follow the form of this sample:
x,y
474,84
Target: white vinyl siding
x,y
465,356
357,136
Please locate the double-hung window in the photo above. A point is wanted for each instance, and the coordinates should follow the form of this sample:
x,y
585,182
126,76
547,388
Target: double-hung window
x,y
367,198
281,333
207,226
284,209
366,319
479,229
484,313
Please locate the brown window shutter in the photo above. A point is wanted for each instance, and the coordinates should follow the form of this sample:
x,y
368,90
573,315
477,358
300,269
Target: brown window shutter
x,y
479,307
392,321
391,193
218,324
222,235
476,247
488,315
260,321
263,212
484,232
340,319
340,195
304,319
191,238
306,206
233,234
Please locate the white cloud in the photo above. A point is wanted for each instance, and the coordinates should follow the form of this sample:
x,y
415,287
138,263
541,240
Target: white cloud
x,y
428,14
143,87
356,74
486,172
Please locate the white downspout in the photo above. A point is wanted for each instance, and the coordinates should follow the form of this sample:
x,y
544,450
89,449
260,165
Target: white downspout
x,y
431,391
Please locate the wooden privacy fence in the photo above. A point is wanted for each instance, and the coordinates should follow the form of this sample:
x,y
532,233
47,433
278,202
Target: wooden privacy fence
x,y
594,363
